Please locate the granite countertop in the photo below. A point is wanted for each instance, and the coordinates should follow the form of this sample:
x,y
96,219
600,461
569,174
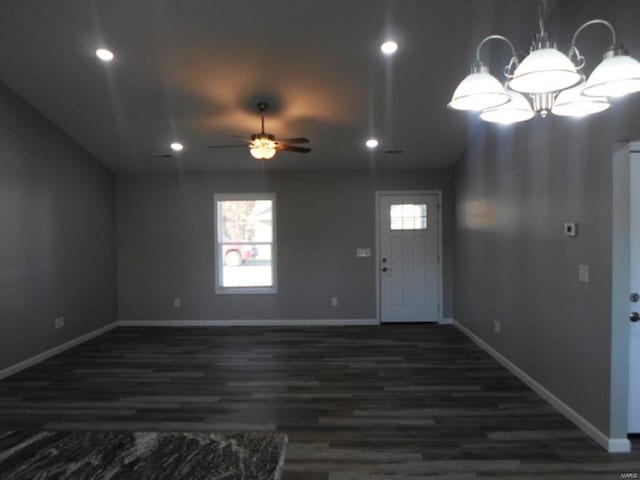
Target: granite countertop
x,y
141,455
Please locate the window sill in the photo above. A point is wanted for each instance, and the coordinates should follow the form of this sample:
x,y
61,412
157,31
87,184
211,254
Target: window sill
x,y
246,290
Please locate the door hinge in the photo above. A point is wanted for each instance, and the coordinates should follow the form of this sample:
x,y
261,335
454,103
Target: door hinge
x,y
438,258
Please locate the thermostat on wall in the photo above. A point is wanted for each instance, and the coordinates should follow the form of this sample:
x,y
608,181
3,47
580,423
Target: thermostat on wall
x,y
570,229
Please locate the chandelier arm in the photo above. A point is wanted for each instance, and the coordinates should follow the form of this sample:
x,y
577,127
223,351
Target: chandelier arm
x,y
511,67
494,37
614,41
579,61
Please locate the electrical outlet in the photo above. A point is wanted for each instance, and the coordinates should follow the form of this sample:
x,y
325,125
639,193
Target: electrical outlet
x,y
570,229
334,301
497,326
583,273
177,302
59,322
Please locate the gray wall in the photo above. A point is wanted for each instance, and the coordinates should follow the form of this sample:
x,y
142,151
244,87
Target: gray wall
x,y
166,244
515,187
57,252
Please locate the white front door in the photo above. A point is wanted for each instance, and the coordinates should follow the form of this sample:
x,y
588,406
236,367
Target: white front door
x,y
634,306
409,257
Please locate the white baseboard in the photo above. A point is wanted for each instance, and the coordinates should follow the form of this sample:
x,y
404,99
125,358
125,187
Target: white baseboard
x,y
446,321
311,322
612,445
55,350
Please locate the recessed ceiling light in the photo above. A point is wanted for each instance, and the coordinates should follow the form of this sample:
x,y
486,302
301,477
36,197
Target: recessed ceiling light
x,y
104,54
176,147
372,143
389,47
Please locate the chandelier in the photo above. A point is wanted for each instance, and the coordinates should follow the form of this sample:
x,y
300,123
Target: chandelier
x,y
546,80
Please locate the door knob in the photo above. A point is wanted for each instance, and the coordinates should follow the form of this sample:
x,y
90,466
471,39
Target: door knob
x,y
385,269
634,316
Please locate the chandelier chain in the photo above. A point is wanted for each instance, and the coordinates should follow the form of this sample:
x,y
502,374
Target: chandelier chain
x,y
542,15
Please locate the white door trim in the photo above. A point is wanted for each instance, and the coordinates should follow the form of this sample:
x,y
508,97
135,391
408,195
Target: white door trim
x,y
620,288
382,193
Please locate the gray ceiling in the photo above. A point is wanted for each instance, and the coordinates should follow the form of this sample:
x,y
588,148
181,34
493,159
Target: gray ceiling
x,y
193,70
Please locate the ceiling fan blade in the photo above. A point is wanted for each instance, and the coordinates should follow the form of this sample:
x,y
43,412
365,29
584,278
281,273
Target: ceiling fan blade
x,y
294,140
242,138
291,148
226,146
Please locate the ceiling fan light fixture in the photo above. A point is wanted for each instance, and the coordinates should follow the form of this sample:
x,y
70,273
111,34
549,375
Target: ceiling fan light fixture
x,y
262,148
478,91
545,70
617,75
518,109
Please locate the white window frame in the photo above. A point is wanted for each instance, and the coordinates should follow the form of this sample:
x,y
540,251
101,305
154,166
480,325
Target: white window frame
x,y
219,262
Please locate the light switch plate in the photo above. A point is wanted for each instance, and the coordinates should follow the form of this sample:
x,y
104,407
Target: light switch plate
x,y
363,252
583,273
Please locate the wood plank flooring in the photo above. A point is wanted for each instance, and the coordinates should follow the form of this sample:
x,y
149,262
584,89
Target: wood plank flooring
x,y
389,402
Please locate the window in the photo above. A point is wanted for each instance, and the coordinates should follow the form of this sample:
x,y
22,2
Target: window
x,y
408,216
245,243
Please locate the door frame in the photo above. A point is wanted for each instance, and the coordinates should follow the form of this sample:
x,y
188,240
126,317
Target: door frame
x,y
620,288
382,193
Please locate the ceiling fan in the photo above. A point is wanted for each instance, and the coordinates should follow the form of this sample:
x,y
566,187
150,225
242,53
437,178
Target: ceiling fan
x,y
264,146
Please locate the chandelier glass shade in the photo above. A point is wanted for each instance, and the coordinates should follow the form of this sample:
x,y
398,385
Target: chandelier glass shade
x,y
478,91
573,103
545,70
517,109
616,76
547,80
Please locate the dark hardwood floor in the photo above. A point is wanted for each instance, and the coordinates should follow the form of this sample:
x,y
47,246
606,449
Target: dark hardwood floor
x,y
389,402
